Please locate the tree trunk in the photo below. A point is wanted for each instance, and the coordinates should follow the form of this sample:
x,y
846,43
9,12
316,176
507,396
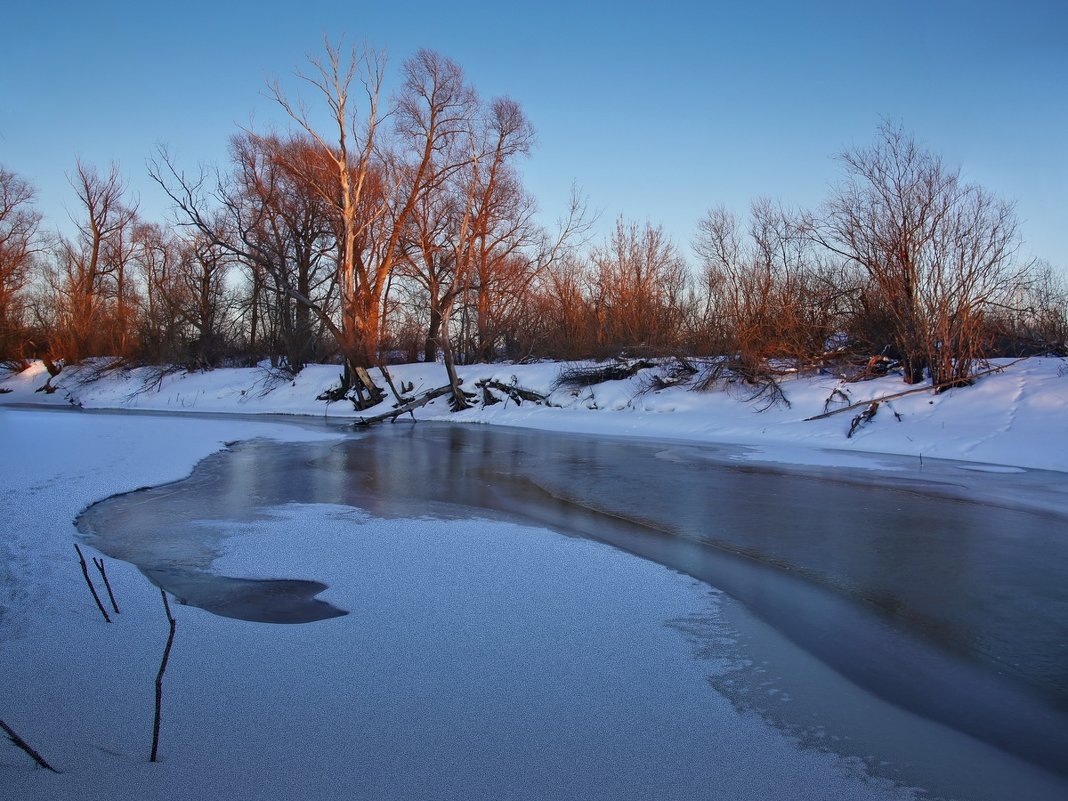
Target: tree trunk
x,y
913,365
430,348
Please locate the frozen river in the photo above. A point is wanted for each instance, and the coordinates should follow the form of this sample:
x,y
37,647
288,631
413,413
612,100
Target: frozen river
x,y
938,589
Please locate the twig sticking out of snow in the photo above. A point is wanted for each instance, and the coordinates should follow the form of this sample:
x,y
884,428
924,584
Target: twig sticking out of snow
x,y
836,393
25,746
89,581
159,678
107,584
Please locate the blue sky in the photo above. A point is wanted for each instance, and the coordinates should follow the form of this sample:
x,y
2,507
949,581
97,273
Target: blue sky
x,y
656,110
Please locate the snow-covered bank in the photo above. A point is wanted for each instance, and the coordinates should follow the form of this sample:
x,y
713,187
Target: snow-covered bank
x,y
1017,417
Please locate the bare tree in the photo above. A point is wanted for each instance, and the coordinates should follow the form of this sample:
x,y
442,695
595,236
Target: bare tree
x,y
471,236
341,178
1038,321
264,215
202,300
292,244
19,226
939,251
430,262
157,255
433,115
84,280
504,237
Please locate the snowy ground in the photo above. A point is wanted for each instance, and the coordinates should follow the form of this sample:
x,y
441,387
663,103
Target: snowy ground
x,y
480,660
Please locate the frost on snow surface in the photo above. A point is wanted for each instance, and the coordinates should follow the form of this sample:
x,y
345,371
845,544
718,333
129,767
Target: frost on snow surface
x,y
479,659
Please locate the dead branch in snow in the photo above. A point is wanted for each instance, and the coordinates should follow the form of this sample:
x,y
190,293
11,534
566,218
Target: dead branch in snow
x,y
25,746
935,388
159,677
389,382
89,582
581,377
830,398
679,371
864,417
513,391
107,584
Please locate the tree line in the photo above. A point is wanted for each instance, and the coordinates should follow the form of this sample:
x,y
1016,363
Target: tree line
x,y
400,230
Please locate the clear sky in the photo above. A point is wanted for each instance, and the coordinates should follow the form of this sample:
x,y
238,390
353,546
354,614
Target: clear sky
x,y
656,110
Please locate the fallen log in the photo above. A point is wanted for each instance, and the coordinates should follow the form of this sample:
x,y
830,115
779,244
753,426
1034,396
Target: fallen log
x,y
404,408
513,391
935,388
367,392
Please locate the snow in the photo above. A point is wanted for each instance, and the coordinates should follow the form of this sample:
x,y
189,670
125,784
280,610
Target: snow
x,y
443,682
1017,417
480,659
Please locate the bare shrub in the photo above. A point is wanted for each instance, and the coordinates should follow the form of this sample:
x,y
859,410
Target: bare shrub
x,y
938,251
771,297
638,289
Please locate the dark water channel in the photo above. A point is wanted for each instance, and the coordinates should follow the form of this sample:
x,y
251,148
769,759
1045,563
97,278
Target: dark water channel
x,y
943,589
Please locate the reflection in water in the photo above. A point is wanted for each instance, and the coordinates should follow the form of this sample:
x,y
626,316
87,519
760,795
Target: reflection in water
x,y
952,608
255,600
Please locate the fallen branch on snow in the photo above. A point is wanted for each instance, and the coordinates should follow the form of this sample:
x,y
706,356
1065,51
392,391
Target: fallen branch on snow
x,y
582,377
513,391
398,410
936,388
864,417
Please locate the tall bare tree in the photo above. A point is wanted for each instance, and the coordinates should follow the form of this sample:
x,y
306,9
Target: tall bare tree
x,y
342,176
470,235
504,238
293,243
19,226
86,279
157,256
432,117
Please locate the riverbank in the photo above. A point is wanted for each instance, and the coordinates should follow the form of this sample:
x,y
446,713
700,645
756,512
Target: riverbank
x,y
1016,416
